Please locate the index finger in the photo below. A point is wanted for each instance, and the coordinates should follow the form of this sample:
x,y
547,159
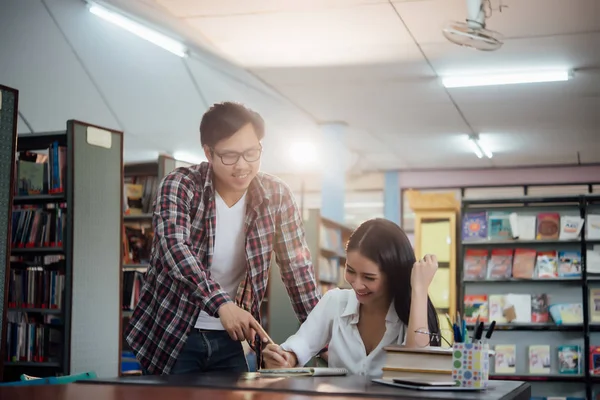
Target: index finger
x,y
261,332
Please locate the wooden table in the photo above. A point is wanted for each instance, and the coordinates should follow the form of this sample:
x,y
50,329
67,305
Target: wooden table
x,y
245,387
77,391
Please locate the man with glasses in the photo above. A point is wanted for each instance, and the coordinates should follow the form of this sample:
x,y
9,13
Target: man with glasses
x,y
216,225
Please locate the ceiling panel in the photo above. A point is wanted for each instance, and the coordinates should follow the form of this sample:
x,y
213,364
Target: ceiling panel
x,y
387,108
366,34
284,123
147,87
21,126
561,119
191,8
412,68
522,18
36,60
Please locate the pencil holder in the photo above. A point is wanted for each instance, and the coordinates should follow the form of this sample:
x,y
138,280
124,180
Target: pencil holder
x,y
471,364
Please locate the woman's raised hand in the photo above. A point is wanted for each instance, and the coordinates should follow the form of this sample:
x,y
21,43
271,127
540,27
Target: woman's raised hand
x,y
423,272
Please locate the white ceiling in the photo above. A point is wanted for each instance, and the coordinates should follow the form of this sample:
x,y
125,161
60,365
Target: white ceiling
x,y
371,63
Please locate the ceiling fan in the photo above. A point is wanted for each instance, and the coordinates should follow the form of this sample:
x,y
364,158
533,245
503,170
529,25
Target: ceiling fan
x,y
472,32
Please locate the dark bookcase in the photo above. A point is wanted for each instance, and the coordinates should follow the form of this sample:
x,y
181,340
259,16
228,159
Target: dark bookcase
x,y
63,278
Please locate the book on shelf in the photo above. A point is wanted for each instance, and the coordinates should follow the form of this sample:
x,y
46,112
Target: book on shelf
x,y
520,308
476,307
139,192
594,360
41,171
520,263
499,225
132,286
569,359
505,359
524,263
539,359
546,264
474,226
500,264
475,264
38,225
505,226
594,304
548,226
592,226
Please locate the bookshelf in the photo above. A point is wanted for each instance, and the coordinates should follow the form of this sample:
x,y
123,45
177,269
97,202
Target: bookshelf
x,y
326,241
541,261
63,276
140,185
9,99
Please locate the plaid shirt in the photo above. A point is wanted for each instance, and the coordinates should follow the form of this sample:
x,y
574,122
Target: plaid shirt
x,y
178,283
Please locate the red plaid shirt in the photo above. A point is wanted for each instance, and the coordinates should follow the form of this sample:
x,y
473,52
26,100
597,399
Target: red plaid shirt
x,y
178,283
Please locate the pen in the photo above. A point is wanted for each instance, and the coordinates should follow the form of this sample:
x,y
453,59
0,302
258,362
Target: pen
x,y
478,332
490,330
476,325
265,334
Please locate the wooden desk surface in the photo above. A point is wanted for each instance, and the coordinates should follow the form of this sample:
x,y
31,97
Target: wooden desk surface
x,y
77,391
308,387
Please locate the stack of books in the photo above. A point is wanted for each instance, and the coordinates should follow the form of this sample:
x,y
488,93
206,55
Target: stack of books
x,y
430,363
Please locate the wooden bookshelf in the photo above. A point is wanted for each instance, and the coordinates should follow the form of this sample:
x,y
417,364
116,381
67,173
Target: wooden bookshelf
x,y
65,242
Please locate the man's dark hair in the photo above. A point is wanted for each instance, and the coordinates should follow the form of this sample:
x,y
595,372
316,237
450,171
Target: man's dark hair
x,y
222,120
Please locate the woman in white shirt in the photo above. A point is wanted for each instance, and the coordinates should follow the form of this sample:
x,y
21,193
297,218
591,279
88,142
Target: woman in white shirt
x,y
388,304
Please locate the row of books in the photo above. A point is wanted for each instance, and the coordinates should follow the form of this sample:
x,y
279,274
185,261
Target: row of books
x,y
520,263
520,308
140,192
33,338
329,269
539,359
38,226
331,239
41,172
132,285
137,243
36,287
504,225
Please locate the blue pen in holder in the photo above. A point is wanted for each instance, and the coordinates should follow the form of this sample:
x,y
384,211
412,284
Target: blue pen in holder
x,y
471,364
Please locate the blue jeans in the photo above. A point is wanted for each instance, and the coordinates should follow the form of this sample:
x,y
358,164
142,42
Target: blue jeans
x,y
210,351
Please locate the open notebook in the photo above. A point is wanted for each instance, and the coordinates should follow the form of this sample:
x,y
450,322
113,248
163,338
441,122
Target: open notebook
x,y
305,371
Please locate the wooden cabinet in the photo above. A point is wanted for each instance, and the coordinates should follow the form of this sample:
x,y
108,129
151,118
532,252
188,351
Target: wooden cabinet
x,y
436,233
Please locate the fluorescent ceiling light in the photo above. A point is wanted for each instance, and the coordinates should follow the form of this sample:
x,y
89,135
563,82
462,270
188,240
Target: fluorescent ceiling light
x,y
140,30
478,148
506,79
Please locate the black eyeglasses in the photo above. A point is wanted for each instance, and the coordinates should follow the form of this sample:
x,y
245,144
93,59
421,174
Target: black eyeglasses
x,y
232,157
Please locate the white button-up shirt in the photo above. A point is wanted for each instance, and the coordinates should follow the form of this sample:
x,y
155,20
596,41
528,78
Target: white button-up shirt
x,y
334,321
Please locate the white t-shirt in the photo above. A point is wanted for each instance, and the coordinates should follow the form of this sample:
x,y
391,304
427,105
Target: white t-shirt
x,y
334,320
228,266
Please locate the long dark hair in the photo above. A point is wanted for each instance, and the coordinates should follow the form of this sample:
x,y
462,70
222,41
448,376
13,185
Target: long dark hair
x,y
386,244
